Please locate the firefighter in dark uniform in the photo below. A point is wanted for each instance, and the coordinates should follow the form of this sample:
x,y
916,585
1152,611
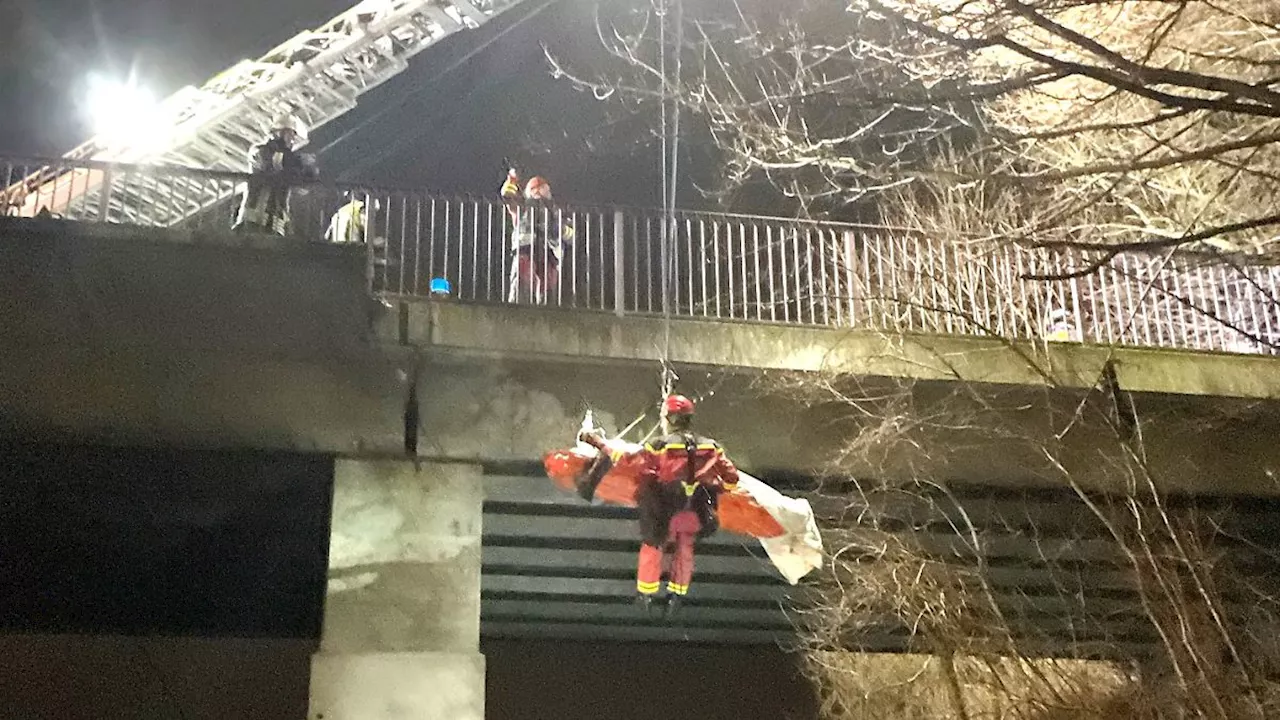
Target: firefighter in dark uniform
x,y
276,166
682,479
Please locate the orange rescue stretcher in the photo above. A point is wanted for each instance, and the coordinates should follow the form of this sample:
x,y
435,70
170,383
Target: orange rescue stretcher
x,y
785,526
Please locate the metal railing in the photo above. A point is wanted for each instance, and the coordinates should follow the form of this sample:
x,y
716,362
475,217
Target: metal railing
x,y
722,267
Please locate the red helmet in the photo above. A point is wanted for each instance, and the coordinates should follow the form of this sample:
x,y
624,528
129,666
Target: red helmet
x,y
677,405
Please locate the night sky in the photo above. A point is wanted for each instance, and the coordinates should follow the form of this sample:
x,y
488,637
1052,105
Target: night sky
x,y
436,126
167,43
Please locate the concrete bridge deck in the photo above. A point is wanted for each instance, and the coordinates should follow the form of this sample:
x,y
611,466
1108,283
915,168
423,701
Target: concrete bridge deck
x,y
141,336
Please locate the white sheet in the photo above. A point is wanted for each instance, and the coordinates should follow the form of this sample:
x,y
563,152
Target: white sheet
x,y
799,551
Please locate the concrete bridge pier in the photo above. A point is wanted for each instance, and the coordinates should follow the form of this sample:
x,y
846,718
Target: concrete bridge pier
x,y
402,612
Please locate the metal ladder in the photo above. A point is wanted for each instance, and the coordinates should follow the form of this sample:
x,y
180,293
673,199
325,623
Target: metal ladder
x,y
316,75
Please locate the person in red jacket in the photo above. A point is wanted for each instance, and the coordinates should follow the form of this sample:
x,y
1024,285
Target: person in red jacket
x,y
682,479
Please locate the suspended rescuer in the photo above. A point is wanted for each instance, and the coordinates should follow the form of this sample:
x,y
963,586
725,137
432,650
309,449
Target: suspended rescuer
x,y
537,239
680,484
276,167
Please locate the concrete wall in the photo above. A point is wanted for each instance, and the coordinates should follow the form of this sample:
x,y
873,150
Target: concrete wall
x,y
405,538
123,335
586,337
512,409
510,381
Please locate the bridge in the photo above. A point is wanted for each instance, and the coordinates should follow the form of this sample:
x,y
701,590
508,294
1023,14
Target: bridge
x,y
162,329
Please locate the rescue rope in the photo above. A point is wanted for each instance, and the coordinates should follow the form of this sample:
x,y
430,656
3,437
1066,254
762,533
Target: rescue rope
x,y
670,176
670,137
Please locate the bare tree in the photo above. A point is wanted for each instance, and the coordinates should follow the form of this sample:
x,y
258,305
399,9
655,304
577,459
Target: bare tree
x,y
1134,140
1116,125
1115,598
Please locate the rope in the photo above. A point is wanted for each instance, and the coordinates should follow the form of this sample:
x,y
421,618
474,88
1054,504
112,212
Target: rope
x,y
670,177
670,137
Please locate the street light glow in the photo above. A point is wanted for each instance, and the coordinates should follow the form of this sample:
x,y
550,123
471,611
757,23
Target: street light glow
x,y
125,117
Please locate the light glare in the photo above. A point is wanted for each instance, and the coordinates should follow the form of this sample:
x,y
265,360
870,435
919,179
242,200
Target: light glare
x,y
125,117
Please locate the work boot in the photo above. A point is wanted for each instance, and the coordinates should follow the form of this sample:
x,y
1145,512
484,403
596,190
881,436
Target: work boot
x,y
647,604
674,603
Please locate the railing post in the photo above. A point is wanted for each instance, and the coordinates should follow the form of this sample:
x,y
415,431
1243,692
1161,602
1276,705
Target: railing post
x,y
1078,330
851,275
104,199
370,216
619,265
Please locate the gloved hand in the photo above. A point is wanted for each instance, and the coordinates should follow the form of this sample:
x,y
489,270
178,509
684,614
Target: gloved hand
x,y
511,188
594,438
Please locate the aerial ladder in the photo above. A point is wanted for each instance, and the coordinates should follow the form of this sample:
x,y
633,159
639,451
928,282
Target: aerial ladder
x,y
316,76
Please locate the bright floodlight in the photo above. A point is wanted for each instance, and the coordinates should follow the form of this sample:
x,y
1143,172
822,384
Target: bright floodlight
x,y
125,117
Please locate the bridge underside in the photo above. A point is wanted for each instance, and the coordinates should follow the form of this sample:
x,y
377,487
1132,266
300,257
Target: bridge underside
x,y
553,567
557,567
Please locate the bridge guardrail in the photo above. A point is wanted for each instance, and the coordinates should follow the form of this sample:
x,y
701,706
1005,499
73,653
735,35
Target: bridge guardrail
x,y
720,266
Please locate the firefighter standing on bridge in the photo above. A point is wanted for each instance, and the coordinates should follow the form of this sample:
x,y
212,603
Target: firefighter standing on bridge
x,y
276,166
537,239
682,479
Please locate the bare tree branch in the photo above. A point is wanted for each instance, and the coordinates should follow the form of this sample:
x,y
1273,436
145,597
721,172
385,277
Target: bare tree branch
x,y
1161,243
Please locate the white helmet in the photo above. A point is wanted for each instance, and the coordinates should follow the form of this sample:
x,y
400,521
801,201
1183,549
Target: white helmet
x,y
294,123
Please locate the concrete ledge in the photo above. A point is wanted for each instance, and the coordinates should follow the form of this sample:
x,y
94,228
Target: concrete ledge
x,y
211,236
578,336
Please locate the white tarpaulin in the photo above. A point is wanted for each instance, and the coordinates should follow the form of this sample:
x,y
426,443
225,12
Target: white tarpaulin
x,y
798,551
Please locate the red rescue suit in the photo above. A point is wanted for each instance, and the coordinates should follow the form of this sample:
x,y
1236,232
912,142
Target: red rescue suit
x,y
683,476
